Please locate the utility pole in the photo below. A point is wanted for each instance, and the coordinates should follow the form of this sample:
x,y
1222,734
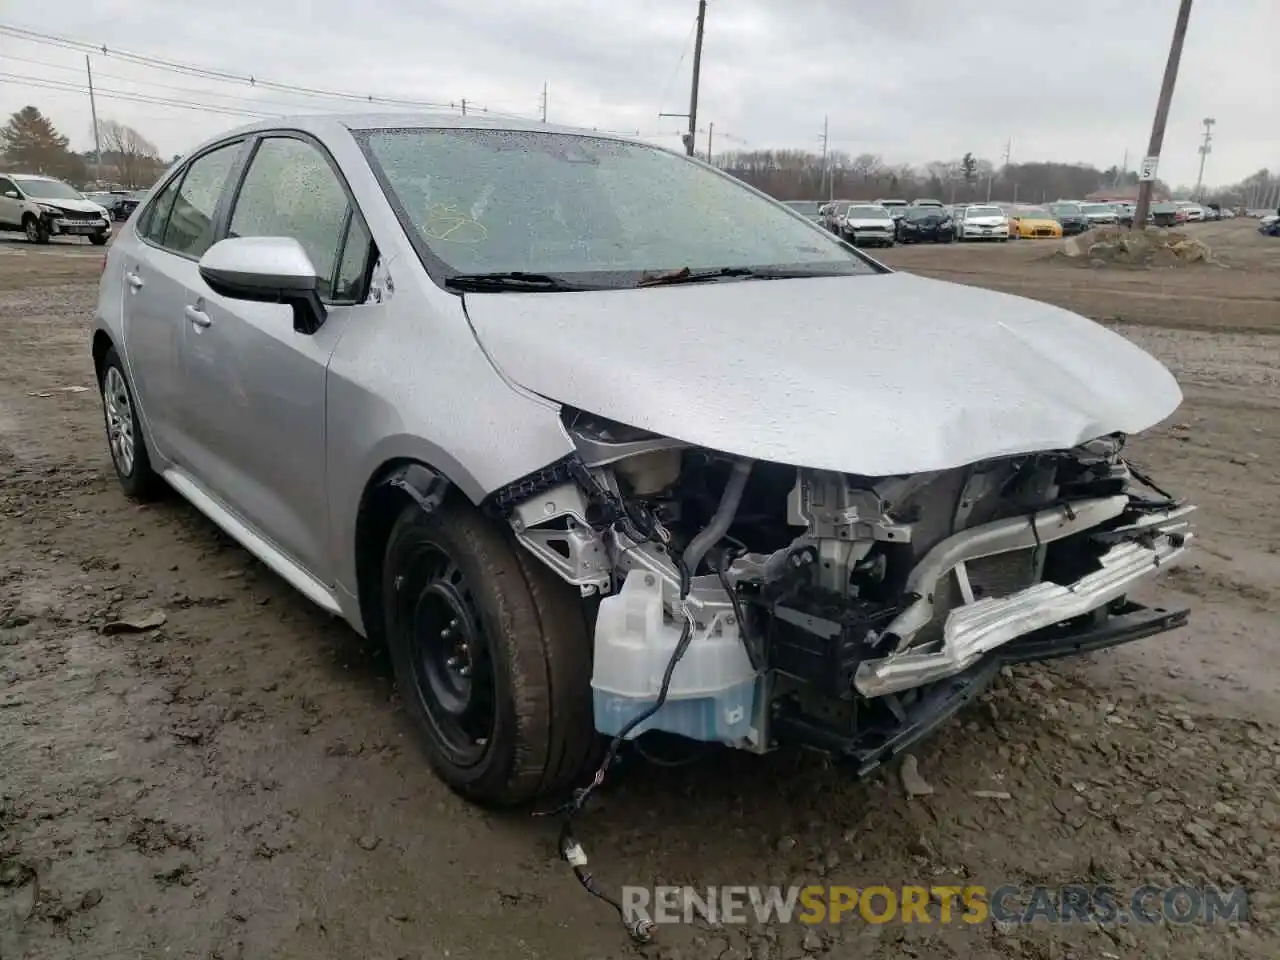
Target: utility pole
x,y
697,71
93,113
1152,160
1204,152
689,136
1008,150
1124,168
464,106
822,182
711,129
544,101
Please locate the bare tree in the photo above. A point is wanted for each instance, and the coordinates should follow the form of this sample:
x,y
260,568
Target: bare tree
x,y
867,165
791,174
136,159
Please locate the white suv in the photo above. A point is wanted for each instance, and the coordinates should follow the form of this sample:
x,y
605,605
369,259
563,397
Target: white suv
x,y
42,207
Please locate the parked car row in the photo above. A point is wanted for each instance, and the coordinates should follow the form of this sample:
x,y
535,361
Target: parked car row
x,y
119,203
884,222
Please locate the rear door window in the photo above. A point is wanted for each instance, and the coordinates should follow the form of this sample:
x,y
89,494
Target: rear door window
x,y
154,218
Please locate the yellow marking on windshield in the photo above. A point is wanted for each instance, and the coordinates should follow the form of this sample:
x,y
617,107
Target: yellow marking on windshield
x,y
446,222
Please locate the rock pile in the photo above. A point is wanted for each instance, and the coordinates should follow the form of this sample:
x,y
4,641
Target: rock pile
x,y
1152,247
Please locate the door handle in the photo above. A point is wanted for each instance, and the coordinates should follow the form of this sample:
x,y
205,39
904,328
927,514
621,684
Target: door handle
x,y
135,282
198,317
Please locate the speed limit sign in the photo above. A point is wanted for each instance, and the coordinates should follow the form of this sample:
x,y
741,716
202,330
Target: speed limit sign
x,y
1148,169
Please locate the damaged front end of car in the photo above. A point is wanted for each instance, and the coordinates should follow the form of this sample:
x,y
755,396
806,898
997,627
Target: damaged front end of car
x,y
767,603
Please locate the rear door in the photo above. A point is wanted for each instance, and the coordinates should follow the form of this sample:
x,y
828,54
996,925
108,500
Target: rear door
x,y
254,389
159,274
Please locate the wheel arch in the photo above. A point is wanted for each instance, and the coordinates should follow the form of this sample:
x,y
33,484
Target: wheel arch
x,y
394,485
102,344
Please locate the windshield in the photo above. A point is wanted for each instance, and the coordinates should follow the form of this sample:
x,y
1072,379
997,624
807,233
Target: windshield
x,y
1065,209
593,209
1034,213
920,213
1098,208
808,208
973,212
893,203
48,190
867,213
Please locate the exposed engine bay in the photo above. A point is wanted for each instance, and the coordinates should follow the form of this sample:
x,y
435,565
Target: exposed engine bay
x,y
763,603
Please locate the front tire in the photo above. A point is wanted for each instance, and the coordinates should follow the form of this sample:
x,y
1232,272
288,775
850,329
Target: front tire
x,y
34,229
98,239
491,655
124,434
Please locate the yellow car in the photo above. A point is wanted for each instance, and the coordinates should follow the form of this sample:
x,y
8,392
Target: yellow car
x,y
1034,223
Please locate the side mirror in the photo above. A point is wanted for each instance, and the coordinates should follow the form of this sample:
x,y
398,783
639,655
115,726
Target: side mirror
x,y
266,270
12,194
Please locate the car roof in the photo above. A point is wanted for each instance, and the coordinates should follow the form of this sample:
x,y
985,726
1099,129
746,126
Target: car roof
x,y
29,176
333,124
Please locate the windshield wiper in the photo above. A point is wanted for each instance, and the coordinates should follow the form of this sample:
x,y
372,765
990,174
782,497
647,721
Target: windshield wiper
x,y
685,275
512,280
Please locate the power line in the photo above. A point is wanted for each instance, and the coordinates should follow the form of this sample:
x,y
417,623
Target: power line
x,y
225,76
177,88
15,79
684,51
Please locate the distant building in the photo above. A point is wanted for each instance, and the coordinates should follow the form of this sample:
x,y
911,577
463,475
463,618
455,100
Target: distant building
x,y
1124,195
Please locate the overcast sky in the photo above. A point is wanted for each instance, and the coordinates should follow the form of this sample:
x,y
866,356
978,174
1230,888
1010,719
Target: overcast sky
x,y
911,80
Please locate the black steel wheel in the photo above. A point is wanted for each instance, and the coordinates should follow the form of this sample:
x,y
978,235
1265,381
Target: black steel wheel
x,y
452,662
491,655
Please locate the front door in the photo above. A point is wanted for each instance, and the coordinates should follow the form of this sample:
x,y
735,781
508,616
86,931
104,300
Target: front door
x,y
10,205
159,272
254,393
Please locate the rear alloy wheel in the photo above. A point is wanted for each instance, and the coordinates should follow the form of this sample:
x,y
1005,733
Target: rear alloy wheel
x,y
124,434
491,655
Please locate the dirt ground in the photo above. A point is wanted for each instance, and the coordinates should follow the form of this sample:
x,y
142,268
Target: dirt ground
x,y
241,783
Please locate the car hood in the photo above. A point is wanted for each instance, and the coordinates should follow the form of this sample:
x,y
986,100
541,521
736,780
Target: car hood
x,y
875,375
870,221
1038,221
986,221
76,206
